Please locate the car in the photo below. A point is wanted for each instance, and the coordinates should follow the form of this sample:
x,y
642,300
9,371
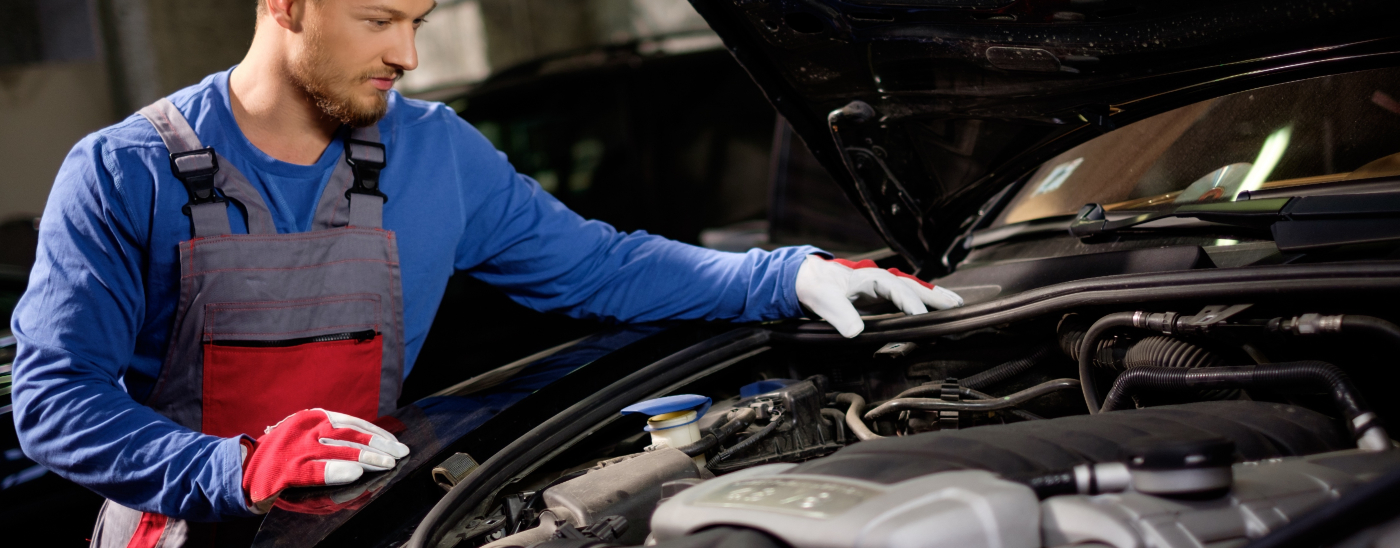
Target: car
x,y
1174,227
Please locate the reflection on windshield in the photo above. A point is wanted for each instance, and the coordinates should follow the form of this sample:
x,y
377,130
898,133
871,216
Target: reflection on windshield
x,y
1335,128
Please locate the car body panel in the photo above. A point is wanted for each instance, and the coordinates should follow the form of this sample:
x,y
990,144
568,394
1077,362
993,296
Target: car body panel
x,y
969,96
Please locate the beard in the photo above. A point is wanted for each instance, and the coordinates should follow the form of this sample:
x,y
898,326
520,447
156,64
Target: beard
x,y
332,91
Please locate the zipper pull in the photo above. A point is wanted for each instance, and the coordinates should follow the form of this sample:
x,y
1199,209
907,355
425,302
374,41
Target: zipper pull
x,y
363,336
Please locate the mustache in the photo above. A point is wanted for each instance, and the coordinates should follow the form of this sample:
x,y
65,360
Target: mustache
x,y
391,75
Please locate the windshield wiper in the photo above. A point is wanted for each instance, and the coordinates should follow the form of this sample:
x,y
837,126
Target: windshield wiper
x,y
1299,223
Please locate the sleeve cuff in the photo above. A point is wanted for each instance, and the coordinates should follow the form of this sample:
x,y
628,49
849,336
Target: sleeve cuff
x,y
228,457
791,308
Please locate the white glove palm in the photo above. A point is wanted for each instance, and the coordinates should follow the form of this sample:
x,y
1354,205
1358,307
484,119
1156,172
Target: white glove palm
x,y
833,289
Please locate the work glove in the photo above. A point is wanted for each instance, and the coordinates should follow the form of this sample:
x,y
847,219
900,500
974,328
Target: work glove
x,y
329,500
314,448
833,288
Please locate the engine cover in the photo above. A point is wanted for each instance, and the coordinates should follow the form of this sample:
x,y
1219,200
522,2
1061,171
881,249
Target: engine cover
x,y
968,508
946,488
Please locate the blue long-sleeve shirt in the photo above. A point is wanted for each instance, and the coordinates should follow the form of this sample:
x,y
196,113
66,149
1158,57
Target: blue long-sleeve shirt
x,y
94,324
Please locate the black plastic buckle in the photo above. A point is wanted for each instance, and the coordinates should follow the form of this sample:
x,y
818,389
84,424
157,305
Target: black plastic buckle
x,y
366,172
199,183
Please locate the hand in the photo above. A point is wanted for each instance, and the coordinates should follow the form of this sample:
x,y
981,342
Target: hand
x,y
314,448
834,288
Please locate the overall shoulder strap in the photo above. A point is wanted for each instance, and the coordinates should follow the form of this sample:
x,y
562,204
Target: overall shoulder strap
x,y
352,197
366,157
197,167
194,165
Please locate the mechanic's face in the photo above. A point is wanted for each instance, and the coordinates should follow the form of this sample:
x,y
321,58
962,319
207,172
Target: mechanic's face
x,y
352,51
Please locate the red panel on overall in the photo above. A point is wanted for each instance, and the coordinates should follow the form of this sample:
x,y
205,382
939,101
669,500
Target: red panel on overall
x,y
247,389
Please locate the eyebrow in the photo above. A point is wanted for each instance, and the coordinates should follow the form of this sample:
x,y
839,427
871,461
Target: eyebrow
x,y
399,13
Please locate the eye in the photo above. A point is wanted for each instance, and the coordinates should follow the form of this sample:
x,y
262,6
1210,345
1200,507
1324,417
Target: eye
x,y
418,23
379,23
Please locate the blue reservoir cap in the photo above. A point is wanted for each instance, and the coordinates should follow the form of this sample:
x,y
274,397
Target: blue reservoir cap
x,y
670,404
763,387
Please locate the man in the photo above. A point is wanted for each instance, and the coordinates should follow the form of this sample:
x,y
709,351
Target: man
x,y
233,282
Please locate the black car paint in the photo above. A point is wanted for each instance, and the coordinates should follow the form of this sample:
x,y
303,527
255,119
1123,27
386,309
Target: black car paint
x,y
959,116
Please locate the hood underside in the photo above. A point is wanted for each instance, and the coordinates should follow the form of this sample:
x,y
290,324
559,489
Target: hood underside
x,y
923,110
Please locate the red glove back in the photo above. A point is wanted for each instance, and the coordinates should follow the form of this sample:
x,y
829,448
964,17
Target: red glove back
x,y
314,448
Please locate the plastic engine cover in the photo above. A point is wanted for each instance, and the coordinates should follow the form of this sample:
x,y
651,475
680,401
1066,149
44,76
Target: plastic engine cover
x,y
956,509
1266,496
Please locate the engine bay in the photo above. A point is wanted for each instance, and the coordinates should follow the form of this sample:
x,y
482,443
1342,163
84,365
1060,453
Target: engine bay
x,y
1108,427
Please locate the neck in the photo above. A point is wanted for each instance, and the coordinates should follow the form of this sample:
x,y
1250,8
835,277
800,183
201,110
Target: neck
x,y
273,113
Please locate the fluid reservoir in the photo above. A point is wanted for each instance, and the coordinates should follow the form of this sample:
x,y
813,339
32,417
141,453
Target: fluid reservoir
x,y
673,420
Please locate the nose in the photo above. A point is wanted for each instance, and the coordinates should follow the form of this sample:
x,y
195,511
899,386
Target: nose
x,y
403,53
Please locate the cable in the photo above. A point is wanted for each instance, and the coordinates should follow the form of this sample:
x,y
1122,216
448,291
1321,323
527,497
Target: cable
x,y
993,404
1086,353
740,421
988,377
1283,376
853,420
748,442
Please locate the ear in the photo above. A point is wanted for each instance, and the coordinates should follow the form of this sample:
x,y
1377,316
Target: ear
x,y
289,14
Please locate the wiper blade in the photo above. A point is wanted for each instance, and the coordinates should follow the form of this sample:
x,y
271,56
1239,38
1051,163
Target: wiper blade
x,y
1301,223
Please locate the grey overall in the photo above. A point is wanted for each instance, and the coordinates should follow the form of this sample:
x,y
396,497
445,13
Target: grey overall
x,y
268,324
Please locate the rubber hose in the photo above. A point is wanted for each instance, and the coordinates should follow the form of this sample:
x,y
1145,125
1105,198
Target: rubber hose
x,y
1001,373
1086,354
838,419
1023,414
968,393
1070,334
1282,376
993,404
1163,351
739,422
853,420
749,441
1371,325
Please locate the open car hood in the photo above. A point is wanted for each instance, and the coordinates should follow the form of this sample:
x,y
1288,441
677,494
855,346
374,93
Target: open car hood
x,y
939,105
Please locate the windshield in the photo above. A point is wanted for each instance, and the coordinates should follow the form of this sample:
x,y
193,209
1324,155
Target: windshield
x,y
1322,130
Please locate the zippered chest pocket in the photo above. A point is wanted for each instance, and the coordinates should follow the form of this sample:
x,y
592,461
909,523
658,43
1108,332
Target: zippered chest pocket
x,y
266,360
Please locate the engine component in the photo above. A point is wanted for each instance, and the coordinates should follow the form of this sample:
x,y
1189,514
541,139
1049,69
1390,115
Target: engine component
x,y
853,416
716,537
1083,479
739,419
1166,466
920,489
627,486
1266,495
1163,466
672,420
930,404
1365,427
1000,373
1260,431
453,470
1169,323
963,508
1317,324
796,433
